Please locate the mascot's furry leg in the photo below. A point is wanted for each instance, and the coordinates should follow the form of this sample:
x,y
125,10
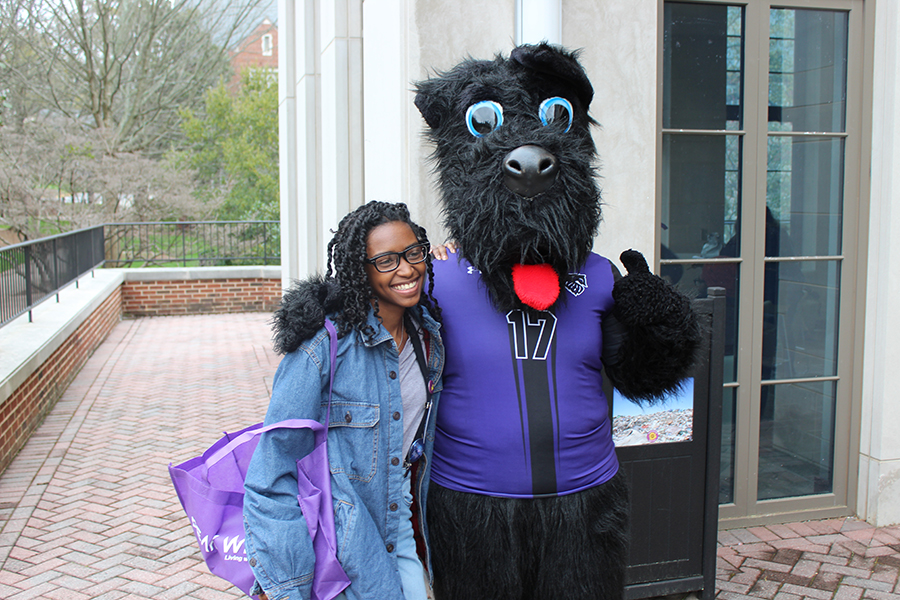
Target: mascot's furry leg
x,y
491,548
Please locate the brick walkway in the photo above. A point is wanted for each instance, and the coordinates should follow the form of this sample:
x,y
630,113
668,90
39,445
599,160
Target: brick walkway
x,y
844,559
87,509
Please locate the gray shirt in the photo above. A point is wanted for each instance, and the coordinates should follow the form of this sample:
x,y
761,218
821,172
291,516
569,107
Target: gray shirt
x,y
412,391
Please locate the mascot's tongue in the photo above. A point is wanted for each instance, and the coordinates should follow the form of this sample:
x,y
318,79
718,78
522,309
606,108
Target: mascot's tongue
x,y
536,285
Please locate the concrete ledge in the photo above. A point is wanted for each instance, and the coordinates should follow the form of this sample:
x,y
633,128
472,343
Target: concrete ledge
x,y
25,346
189,273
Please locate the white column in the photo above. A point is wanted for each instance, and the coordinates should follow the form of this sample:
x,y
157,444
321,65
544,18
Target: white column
x,y
341,111
297,138
320,126
387,100
879,469
538,21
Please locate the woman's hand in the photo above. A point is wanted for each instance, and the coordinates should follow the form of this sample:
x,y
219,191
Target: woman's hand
x,y
440,252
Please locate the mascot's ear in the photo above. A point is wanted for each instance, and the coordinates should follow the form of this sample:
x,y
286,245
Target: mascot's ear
x,y
427,103
555,62
435,97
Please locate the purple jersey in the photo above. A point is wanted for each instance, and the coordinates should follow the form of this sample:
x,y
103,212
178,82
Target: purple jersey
x,y
522,412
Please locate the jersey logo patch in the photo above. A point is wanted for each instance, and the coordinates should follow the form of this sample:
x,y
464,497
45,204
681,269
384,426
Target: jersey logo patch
x,y
576,283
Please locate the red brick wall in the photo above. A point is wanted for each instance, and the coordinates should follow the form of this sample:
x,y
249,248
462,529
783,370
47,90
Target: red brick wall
x,y
248,54
29,404
157,298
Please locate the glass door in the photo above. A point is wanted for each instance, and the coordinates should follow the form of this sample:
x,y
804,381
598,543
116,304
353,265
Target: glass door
x,y
754,199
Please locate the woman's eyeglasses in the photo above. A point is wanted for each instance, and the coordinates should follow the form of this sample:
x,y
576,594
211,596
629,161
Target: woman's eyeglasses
x,y
389,261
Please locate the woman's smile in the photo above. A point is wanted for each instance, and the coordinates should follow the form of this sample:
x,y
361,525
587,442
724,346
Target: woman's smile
x,y
399,289
406,287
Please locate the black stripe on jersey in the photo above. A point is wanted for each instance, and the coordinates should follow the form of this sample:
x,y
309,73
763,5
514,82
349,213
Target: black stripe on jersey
x,y
515,365
540,426
537,402
555,395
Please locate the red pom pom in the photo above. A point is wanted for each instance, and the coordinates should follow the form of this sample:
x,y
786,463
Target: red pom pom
x,y
536,285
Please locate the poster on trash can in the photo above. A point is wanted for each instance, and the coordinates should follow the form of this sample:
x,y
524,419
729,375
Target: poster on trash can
x,y
671,420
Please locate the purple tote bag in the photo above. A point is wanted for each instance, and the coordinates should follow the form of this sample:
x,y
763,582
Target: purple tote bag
x,y
211,490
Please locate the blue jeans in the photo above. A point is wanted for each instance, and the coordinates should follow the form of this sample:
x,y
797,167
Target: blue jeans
x,y
412,574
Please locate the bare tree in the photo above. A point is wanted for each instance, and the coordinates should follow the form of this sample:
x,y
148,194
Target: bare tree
x,y
122,66
19,68
55,177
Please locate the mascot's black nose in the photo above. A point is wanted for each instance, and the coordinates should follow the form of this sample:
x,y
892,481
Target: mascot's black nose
x,y
529,170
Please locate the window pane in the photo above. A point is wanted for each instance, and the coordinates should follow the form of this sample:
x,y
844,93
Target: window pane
x,y
729,424
796,440
703,55
800,319
701,219
694,280
701,195
725,275
807,70
804,196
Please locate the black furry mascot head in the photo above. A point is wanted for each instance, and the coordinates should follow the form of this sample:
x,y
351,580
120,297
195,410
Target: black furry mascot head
x,y
516,161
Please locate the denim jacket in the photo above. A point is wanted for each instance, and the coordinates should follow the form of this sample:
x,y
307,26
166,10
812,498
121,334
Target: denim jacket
x,y
365,441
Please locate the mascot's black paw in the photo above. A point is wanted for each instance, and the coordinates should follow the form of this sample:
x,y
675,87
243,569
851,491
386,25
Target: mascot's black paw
x,y
644,299
663,338
634,262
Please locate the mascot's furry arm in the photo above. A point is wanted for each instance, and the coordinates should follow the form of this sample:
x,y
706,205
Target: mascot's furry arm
x,y
652,339
302,312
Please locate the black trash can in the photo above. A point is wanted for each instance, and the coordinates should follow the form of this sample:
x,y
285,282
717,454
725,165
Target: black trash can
x,y
673,470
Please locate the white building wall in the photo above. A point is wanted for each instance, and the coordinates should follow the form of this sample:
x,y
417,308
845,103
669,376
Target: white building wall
x,y
348,69
879,469
341,109
387,102
297,138
619,42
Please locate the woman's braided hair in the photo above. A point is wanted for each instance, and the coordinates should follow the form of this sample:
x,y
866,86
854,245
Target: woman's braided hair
x,y
346,264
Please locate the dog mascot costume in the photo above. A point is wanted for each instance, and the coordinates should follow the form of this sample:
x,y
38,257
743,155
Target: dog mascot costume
x,y
525,498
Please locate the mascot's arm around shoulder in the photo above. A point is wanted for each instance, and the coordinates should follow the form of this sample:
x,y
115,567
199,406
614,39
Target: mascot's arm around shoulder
x,y
652,338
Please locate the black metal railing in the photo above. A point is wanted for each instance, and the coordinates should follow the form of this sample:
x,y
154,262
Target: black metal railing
x,y
193,243
31,272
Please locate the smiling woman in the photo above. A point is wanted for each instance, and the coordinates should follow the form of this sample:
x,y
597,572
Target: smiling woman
x,y
395,271
385,391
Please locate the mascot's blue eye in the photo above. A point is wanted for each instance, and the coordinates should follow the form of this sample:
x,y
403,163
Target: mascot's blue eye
x,y
484,117
556,110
